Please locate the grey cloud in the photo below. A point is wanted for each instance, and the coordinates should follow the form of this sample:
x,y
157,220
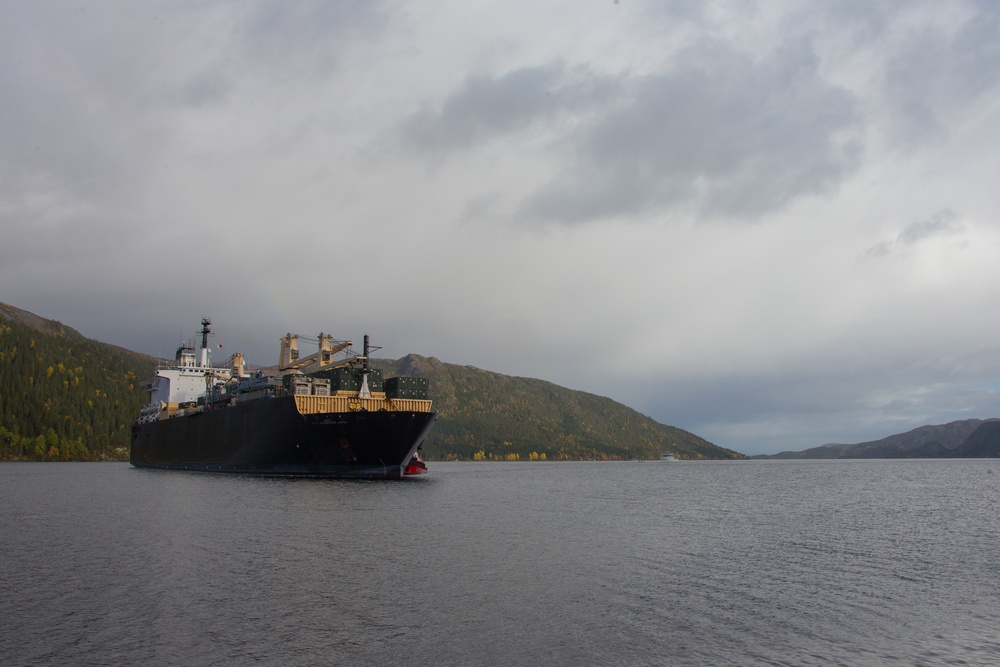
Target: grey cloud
x,y
263,45
488,107
719,134
943,223
861,20
937,73
677,10
89,95
291,38
880,249
205,88
76,137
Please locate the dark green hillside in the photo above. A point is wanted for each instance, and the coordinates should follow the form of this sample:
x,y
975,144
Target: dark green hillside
x,y
493,416
62,396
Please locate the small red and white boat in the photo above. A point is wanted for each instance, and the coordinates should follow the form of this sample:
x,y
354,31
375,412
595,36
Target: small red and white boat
x,y
416,466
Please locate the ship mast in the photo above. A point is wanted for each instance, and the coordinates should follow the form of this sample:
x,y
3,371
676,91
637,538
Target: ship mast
x,y
205,330
365,392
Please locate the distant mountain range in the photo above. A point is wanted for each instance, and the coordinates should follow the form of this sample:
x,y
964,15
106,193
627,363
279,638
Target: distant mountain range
x,y
968,438
66,397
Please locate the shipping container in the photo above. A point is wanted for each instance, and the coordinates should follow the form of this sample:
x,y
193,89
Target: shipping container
x,y
349,379
406,387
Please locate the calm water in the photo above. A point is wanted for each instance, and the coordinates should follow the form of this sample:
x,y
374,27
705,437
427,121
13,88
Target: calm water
x,y
741,563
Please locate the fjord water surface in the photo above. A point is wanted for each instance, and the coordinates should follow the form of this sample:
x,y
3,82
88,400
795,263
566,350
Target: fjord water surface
x,y
714,563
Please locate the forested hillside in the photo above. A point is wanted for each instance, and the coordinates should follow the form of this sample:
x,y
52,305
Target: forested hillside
x,y
485,415
62,396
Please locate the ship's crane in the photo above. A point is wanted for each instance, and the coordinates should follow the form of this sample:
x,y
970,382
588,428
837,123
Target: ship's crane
x,y
322,358
236,365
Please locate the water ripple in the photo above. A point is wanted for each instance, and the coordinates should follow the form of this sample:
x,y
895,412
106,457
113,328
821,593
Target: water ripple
x,y
744,563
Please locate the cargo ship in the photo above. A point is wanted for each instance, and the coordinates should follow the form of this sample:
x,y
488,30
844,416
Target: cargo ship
x,y
328,414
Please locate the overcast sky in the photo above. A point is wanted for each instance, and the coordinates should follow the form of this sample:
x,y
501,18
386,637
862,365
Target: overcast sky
x,y
773,224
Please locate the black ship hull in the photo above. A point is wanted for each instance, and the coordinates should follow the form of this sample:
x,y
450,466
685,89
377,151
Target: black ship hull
x,y
270,437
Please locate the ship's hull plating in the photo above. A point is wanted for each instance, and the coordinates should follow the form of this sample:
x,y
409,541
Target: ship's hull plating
x,y
270,437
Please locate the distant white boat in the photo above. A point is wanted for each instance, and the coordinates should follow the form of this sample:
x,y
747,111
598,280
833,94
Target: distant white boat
x,y
669,456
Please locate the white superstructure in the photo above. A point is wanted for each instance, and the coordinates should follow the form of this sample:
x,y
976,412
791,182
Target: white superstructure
x,y
181,387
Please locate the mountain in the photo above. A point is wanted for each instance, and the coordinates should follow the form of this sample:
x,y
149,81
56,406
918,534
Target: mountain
x,y
66,397
984,442
12,314
934,441
488,415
